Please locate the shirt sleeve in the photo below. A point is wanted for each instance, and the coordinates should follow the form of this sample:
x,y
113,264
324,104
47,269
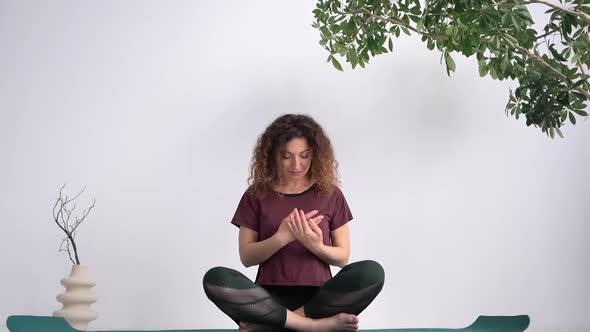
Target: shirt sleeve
x,y
342,213
247,213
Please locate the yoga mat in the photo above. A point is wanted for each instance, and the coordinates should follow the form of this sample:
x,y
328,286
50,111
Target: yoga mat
x,y
482,324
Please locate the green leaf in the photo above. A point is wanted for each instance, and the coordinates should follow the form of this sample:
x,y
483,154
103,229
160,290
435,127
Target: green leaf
x,y
467,47
556,54
572,118
505,18
510,40
336,64
578,83
420,25
430,44
483,69
493,72
524,13
390,45
348,27
516,23
580,112
578,95
533,76
559,132
450,63
414,18
503,65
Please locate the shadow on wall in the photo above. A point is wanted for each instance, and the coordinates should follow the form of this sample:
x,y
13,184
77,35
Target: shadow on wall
x,y
221,145
421,117
244,116
436,120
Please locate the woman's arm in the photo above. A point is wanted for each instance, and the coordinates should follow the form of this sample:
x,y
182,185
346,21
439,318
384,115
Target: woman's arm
x,y
254,252
337,254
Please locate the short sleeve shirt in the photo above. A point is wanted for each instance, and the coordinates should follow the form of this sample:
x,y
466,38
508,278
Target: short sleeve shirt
x,y
292,265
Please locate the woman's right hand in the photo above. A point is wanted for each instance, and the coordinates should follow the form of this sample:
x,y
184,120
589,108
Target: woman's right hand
x,y
284,233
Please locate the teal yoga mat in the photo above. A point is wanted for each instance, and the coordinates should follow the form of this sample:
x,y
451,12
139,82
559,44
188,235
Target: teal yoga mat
x,y
482,324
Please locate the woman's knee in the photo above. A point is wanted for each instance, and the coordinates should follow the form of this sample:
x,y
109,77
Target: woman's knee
x,y
226,277
215,275
370,271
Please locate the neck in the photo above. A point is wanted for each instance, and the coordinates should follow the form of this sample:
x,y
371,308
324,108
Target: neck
x,y
294,186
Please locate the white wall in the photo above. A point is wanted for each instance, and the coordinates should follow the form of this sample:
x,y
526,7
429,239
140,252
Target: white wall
x,y
155,107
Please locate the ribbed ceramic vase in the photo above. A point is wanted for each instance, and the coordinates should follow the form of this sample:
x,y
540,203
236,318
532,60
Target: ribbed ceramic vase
x,y
77,298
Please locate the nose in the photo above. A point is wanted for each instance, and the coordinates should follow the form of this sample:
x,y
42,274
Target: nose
x,y
297,162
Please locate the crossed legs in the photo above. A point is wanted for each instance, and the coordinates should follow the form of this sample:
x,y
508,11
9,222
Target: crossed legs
x,y
334,308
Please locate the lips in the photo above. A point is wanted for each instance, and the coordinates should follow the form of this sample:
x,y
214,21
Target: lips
x,y
296,173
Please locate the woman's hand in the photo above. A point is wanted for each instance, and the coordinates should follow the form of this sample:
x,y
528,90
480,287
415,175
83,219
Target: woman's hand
x,y
306,229
284,233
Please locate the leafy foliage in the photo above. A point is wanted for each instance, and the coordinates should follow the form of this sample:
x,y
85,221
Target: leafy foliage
x,y
550,66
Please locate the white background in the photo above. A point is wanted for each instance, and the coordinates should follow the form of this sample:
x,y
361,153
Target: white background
x,y
155,106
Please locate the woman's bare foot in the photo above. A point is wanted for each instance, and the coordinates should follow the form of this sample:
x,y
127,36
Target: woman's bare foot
x,y
338,322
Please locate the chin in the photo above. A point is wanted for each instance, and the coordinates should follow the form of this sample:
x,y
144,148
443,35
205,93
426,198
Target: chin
x,y
296,177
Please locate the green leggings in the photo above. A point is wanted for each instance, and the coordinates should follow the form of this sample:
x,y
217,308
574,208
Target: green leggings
x,y
351,290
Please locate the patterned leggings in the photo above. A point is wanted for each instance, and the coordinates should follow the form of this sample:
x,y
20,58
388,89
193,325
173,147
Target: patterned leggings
x,y
351,290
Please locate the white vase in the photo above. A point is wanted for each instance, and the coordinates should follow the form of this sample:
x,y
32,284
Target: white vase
x,y
77,298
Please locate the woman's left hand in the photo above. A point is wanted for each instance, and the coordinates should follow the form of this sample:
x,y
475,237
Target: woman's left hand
x,y
306,231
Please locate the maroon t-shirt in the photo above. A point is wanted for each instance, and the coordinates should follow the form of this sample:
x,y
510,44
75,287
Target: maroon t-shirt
x,y
292,265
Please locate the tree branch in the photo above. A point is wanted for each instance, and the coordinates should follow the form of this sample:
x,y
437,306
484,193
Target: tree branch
x,y
569,11
547,34
542,62
522,50
581,66
396,22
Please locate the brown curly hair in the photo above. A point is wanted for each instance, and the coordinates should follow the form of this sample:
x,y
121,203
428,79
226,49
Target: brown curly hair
x,y
263,169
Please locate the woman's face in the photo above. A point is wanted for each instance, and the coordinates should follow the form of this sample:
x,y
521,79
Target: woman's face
x,y
294,159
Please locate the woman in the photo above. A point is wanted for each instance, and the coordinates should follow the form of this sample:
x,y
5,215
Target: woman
x,y
293,225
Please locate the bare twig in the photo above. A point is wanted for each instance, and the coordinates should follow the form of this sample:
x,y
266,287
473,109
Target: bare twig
x,y
61,215
67,242
547,34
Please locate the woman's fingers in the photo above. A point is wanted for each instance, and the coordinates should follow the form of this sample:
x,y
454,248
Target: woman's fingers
x,y
297,223
292,228
305,224
317,220
315,228
311,214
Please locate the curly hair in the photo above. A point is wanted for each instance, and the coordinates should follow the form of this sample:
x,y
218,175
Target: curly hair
x,y
263,169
